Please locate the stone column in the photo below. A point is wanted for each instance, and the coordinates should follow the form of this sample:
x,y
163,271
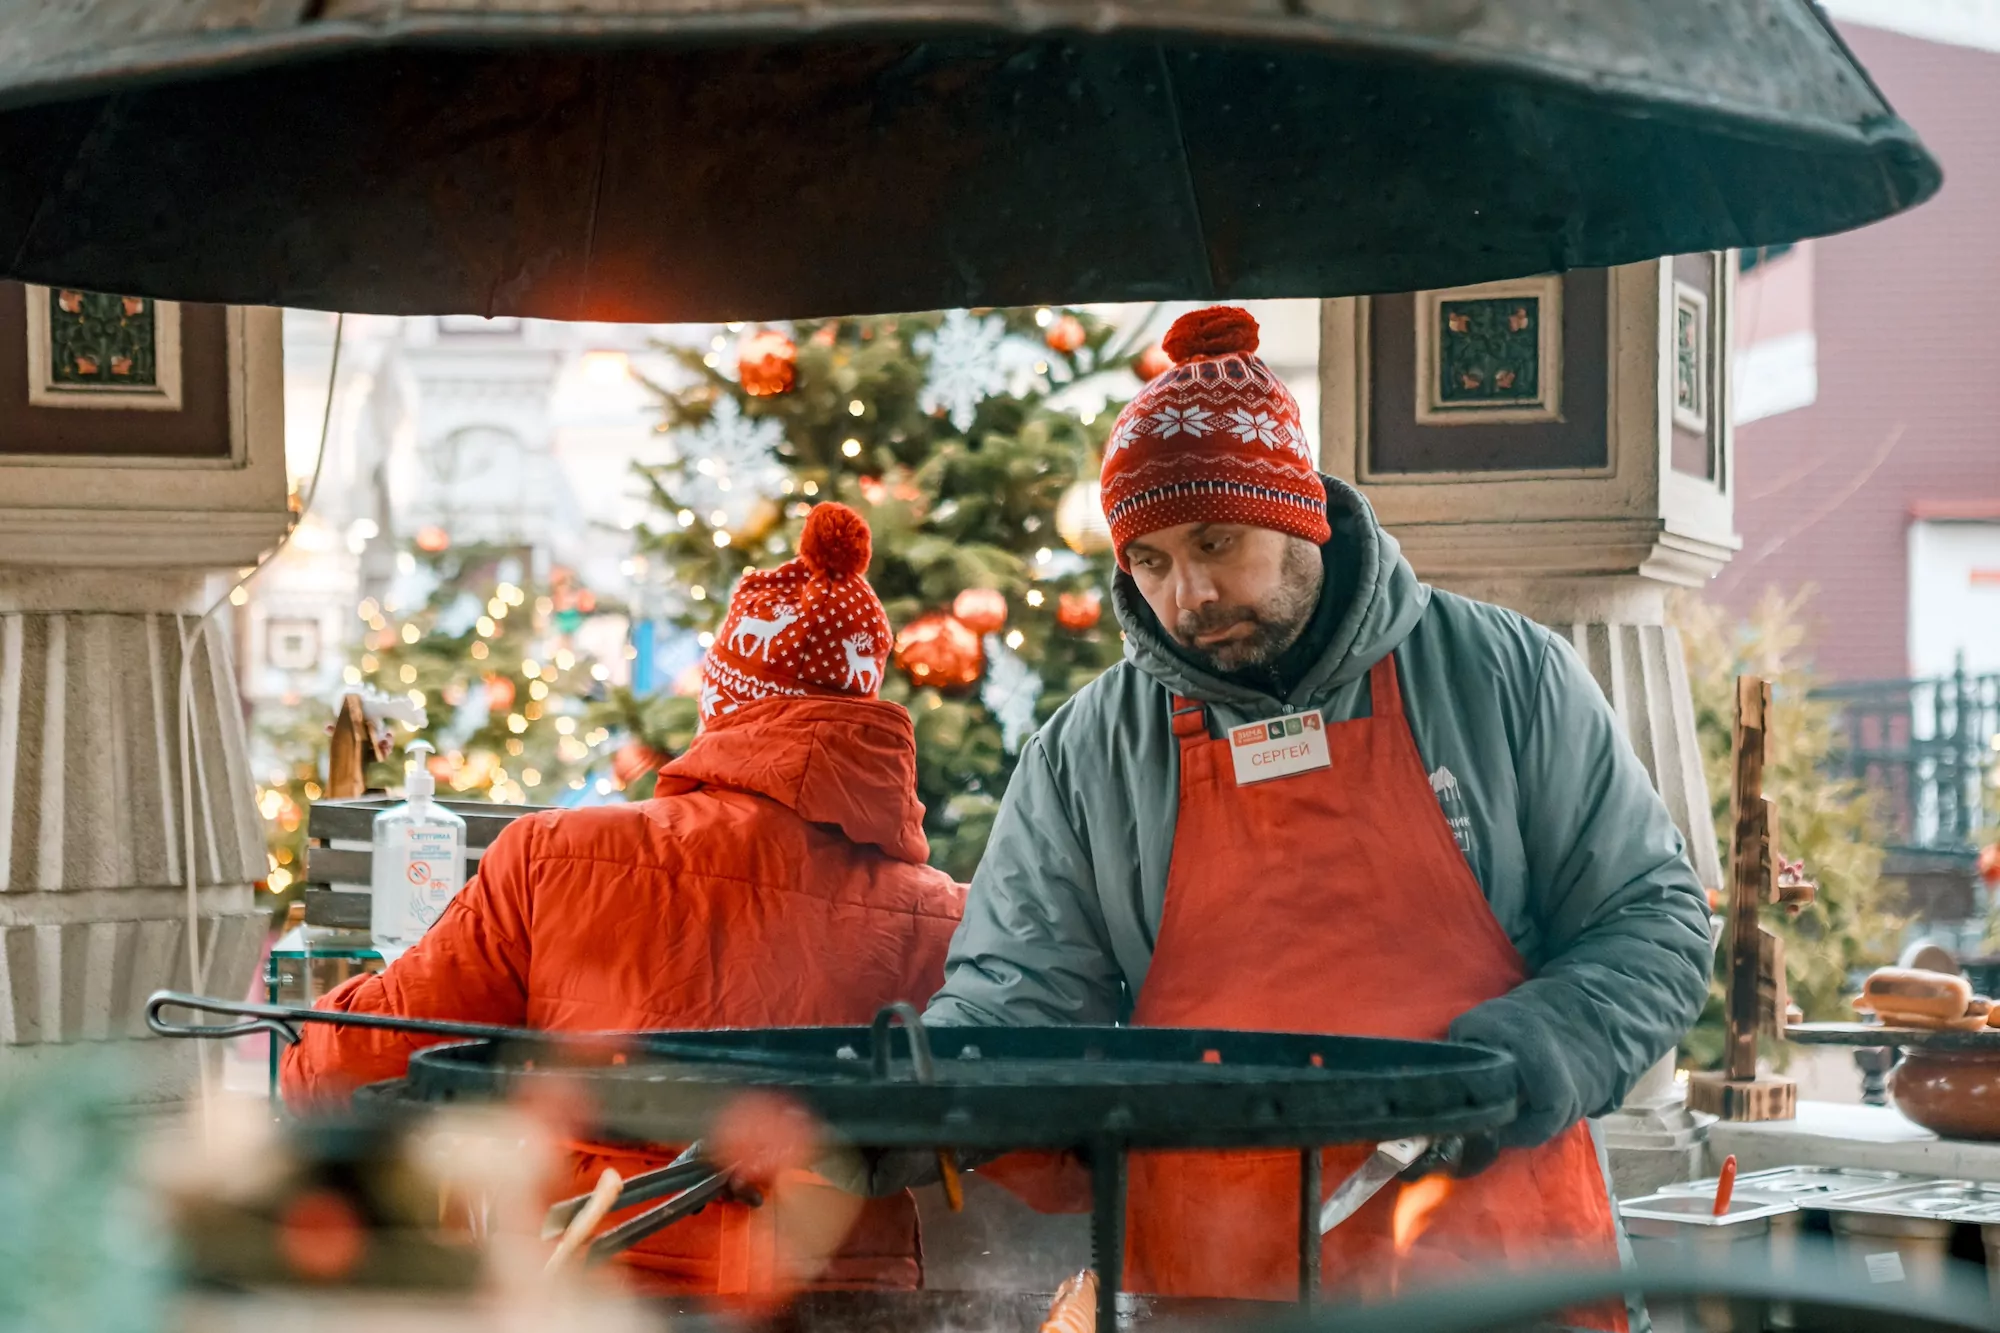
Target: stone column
x,y
121,519
1561,446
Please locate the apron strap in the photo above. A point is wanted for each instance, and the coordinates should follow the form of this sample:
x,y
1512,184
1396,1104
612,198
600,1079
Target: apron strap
x,y
1189,718
1385,694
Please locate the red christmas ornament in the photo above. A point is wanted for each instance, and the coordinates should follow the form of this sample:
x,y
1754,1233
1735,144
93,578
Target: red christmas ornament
x,y
939,650
766,363
981,610
1152,363
1065,335
499,692
634,760
433,539
1079,610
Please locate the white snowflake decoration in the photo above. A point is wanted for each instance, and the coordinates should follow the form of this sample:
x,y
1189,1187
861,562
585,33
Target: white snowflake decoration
x,y
965,365
728,463
1171,421
1262,427
1009,692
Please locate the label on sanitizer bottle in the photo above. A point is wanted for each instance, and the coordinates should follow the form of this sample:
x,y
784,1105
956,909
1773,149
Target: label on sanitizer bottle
x,y
419,866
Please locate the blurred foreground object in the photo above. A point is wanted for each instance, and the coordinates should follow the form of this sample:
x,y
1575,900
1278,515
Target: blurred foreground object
x,y
78,1248
645,160
404,1218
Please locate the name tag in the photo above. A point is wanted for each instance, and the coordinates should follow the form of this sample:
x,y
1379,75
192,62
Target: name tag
x,y
1295,743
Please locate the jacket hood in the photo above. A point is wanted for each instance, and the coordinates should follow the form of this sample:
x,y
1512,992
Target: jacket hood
x,y
851,763
1388,602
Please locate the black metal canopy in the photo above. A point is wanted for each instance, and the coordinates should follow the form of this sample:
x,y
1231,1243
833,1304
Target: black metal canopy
x,y
725,159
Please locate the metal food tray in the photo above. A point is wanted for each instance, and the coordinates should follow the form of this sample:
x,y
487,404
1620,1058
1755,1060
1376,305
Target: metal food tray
x,y
1691,1210
1807,1186
1940,1200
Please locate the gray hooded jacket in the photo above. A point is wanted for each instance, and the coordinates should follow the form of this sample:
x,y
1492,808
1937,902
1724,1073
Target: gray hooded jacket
x,y
1575,851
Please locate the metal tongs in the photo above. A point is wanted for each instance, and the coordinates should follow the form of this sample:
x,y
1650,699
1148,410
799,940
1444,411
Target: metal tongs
x,y
693,1182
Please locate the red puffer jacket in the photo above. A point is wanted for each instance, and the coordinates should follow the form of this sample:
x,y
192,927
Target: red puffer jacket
x,y
777,879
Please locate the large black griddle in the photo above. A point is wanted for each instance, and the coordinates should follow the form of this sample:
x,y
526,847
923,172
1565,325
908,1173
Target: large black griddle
x,y
1026,1087
1104,1090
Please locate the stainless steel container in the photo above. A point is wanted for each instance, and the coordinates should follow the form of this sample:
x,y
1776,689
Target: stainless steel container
x,y
1663,1227
1904,1235
1809,1187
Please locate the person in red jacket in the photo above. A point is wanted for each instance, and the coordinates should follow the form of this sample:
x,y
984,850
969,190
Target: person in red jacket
x,y
777,878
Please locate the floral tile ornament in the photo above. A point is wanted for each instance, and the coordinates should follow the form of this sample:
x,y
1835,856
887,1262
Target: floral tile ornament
x,y
102,350
1690,358
1490,354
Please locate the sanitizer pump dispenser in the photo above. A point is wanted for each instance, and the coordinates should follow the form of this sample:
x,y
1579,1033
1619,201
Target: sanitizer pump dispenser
x,y
419,861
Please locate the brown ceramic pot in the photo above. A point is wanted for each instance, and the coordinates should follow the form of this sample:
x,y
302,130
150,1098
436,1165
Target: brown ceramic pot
x,y
1955,1094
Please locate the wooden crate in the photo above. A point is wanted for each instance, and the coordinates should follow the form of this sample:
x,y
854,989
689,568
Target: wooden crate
x,y
340,852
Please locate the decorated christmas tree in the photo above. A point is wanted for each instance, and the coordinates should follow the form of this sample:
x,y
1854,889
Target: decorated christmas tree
x,y
492,655
970,441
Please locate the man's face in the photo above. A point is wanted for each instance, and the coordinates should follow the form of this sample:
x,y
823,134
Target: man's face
x,y
1233,596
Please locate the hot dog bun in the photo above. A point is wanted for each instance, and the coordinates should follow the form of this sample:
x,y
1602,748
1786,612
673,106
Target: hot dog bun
x,y
1906,992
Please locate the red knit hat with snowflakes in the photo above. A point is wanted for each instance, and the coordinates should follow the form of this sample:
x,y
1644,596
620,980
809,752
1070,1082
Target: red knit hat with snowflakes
x,y
1214,440
812,626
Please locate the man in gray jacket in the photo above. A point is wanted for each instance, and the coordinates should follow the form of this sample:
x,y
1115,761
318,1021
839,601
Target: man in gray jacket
x,y
1472,850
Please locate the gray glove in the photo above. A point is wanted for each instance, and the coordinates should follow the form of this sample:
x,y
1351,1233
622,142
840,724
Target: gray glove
x,y
1550,1100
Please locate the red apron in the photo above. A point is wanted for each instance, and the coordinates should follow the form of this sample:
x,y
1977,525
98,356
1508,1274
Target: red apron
x,y
1337,901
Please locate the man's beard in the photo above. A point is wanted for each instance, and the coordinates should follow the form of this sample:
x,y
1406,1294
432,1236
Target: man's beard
x,y
1276,623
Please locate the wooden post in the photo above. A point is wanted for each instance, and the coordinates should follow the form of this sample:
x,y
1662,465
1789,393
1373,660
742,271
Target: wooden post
x,y
1756,961
1749,872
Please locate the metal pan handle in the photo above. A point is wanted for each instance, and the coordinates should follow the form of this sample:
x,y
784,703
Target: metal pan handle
x,y
278,1020
283,1021
880,1041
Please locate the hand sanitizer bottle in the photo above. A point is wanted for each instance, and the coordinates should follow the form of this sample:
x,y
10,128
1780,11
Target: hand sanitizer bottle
x,y
419,861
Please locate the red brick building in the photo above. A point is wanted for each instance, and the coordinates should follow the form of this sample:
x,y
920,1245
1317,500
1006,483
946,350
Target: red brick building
x,y
1884,490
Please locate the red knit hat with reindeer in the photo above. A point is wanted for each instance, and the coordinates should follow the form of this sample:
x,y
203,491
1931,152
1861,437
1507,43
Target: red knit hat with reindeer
x,y
1216,439
812,626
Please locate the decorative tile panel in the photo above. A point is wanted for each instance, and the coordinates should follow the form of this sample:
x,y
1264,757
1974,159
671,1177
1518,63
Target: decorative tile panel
x,y
1691,358
96,340
101,350
1490,354
1488,351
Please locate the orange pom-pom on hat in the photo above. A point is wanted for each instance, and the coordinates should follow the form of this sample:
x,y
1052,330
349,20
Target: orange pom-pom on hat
x,y
1216,439
810,626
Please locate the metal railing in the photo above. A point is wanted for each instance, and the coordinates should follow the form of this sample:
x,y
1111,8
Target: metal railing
x,y
1926,748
